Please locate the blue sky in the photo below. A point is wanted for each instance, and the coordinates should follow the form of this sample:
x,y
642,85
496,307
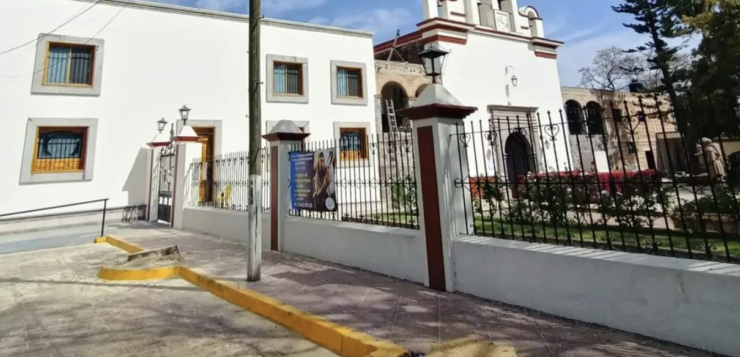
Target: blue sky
x,y
585,25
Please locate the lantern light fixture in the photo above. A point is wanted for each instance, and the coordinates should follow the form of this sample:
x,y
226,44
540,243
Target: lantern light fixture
x,y
433,60
161,124
184,114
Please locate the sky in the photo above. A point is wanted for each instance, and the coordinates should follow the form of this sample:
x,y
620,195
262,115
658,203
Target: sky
x,y
584,25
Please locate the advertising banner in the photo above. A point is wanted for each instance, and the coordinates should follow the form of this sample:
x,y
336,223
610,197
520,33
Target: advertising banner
x,y
312,185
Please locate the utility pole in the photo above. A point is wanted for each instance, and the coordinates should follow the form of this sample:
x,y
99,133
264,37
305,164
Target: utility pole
x,y
254,249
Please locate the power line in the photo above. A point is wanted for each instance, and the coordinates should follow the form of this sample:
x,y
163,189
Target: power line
x,y
52,31
86,42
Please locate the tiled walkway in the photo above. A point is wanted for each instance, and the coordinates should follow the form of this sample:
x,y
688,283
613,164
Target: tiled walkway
x,y
396,310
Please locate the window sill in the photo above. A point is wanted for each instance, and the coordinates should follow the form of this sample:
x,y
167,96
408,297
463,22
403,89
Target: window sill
x,y
56,177
72,85
287,98
349,101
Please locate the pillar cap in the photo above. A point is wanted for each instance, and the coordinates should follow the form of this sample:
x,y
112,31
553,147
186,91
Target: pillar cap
x,y
186,134
437,102
159,140
285,130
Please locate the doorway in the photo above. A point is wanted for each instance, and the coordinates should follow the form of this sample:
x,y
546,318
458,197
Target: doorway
x,y
207,139
517,156
651,160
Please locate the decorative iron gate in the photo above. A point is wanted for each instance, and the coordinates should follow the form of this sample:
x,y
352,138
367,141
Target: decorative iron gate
x,y
166,186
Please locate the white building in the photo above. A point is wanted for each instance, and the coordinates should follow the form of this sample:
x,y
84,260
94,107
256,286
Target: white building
x,y
80,104
501,63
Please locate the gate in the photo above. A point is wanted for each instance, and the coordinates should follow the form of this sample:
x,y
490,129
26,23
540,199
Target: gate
x,y
166,175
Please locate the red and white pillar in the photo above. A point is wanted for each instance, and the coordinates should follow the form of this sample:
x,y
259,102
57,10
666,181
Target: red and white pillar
x,y
440,163
285,137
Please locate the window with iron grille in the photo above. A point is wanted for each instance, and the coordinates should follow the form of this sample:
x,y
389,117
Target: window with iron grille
x,y
59,149
353,143
349,82
288,79
69,65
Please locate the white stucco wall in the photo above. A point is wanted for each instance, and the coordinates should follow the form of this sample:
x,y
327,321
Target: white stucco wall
x,y
688,302
476,74
396,252
226,224
157,58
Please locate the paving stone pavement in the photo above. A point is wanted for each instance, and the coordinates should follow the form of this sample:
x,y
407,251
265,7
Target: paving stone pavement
x,y
52,304
396,310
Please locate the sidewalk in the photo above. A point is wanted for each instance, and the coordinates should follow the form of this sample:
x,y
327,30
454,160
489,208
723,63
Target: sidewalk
x,y
53,304
397,310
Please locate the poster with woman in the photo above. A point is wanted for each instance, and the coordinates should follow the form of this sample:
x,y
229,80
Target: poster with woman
x,y
313,186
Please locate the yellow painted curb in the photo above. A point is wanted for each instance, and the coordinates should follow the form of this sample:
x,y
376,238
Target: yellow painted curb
x,y
120,243
339,339
138,275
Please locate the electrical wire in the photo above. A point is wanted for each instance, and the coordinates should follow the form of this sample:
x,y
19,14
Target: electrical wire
x,y
52,31
86,42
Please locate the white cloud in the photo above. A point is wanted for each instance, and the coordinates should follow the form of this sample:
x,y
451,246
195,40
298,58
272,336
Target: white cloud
x,y
383,22
222,5
579,35
574,56
277,7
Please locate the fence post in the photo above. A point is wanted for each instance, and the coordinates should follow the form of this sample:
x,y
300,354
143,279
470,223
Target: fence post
x,y
187,151
283,138
435,118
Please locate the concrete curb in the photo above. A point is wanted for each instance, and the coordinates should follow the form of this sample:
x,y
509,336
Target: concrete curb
x,y
339,339
119,243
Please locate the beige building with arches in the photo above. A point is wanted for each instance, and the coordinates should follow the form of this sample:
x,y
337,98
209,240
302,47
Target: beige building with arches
x,y
398,84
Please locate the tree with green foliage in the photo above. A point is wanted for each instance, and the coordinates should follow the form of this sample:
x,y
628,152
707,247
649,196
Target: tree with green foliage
x,y
715,77
659,20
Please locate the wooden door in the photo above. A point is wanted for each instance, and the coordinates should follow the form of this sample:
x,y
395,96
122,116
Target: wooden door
x,y
207,138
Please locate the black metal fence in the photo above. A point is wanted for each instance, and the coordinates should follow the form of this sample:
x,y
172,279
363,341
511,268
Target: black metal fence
x,y
223,181
374,179
617,178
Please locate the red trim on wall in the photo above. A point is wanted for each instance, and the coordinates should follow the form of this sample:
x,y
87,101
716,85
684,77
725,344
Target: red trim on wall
x,y
438,111
274,199
445,27
430,194
411,37
539,41
546,55
440,19
443,38
285,136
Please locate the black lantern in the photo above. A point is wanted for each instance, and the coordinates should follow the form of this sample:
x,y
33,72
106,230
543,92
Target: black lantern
x,y
161,124
515,81
433,59
184,114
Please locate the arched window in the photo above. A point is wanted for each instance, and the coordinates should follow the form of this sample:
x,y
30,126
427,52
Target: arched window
x,y
574,115
594,118
393,94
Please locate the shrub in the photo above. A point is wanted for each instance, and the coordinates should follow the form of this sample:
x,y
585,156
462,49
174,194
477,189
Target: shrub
x,y
403,194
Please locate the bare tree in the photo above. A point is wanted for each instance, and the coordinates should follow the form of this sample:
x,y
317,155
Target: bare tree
x,y
612,69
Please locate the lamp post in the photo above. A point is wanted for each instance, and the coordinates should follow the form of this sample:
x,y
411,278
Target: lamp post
x,y
186,133
433,60
510,70
184,114
161,124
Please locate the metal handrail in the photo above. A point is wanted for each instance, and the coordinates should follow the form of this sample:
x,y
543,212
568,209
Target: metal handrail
x,y
105,209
